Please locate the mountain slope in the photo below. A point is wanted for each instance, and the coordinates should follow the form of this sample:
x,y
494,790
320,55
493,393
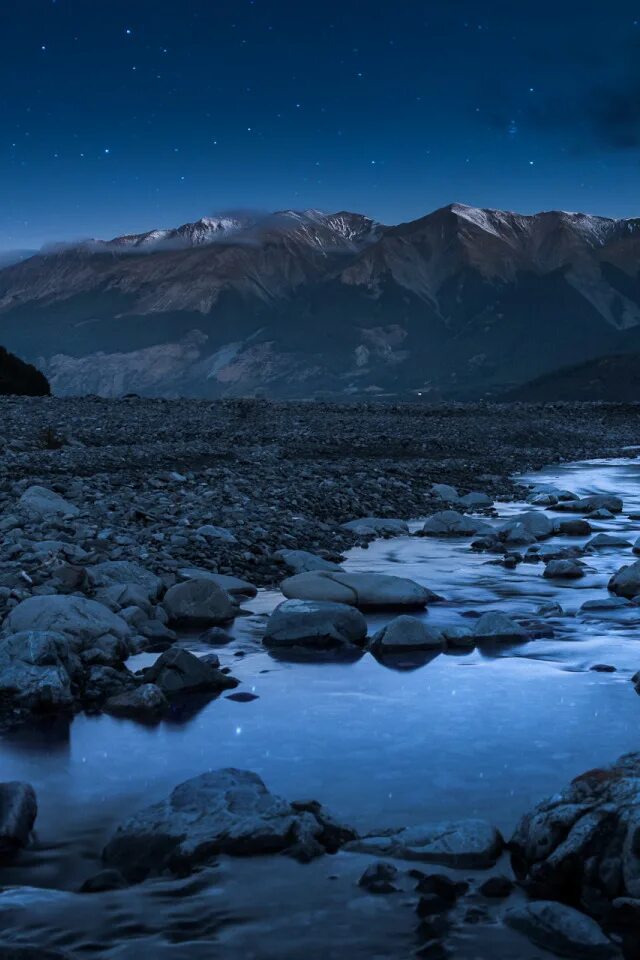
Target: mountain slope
x,y
463,302
615,378
19,378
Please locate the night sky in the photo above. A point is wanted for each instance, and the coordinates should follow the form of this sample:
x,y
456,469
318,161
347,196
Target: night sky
x,y
122,115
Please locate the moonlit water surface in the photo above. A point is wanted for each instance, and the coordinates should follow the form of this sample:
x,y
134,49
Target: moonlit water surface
x,y
483,734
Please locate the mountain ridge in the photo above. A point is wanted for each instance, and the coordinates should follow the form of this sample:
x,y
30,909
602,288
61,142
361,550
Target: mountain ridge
x,y
462,302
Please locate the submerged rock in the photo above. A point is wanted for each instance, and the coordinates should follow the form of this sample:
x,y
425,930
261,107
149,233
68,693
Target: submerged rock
x,y
223,812
18,811
406,633
367,591
582,845
462,844
315,624
379,877
562,930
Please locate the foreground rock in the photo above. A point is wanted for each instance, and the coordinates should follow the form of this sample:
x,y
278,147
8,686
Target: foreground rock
x,y
626,581
224,812
146,703
18,811
564,570
316,625
367,591
562,930
80,619
461,844
178,672
405,634
37,672
582,845
198,603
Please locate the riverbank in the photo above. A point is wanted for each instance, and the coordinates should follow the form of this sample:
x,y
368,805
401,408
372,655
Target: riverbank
x,y
148,475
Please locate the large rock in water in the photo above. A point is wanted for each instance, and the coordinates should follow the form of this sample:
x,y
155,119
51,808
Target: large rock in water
x,y
626,581
78,618
562,930
497,627
315,624
18,811
367,591
224,812
535,522
198,603
582,845
177,671
405,634
461,844
450,523
44,503
36,671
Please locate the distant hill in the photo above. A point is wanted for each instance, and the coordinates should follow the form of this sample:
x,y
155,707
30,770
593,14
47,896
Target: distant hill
x,y
18,377
607,378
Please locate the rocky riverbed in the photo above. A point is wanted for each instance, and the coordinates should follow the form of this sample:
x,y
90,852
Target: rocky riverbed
x,y
218,619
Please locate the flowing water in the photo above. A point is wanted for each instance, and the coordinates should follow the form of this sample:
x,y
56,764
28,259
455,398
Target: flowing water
x,y
481,734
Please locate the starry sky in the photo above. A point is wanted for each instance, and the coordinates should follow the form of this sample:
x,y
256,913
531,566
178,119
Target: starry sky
x,y
123,115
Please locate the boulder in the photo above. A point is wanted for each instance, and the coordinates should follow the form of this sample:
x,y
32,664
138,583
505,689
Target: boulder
x,y
450,523
626,581
406,633
379,877
444,491
606,540
125,572
497,627
35,671
44,503
367,591
79,619
301,561
198,603
234,586
561,930
476,499
377,527
210,532
564,570
516,534
535,522
606,603
582,845
315,624
146,702
460,844
588,505
18,811
573,528
223,812
178,672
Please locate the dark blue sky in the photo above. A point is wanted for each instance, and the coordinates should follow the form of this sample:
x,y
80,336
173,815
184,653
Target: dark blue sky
x,y
121,115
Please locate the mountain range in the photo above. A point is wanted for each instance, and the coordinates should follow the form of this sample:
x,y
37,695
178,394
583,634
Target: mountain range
x,y
461,303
